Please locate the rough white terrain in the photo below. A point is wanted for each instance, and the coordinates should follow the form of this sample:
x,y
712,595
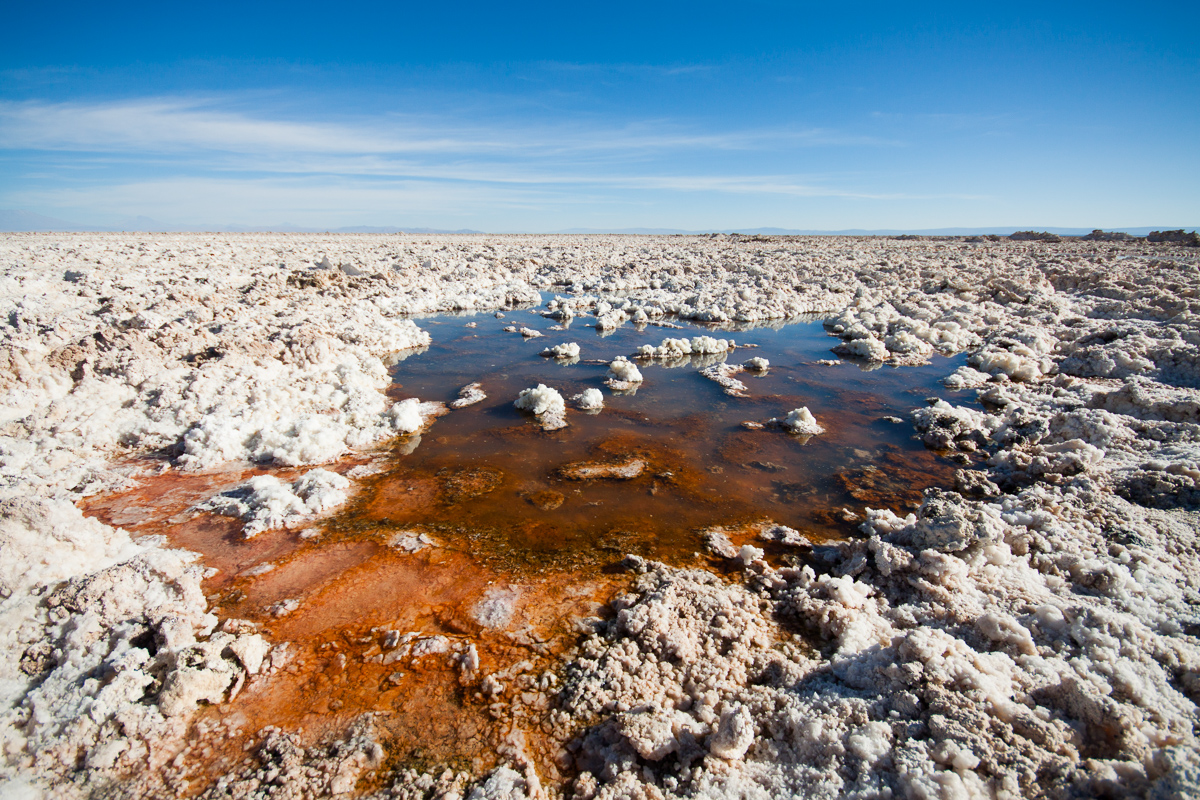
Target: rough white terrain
x,y
1031,631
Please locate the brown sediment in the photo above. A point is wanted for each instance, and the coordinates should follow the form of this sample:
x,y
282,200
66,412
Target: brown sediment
x,y
892,479
467,483
160,496
351,591
488,502
426,709
547,499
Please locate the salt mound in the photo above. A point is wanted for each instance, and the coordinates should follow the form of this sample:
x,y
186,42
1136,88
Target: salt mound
x,y
589,400
134,613
265,502
622,369
679,348
801,421
406,416
546,404
565,350
540,400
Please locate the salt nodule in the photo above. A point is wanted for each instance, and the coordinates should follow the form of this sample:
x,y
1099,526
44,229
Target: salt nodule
x,y
623,374
589,400
800,420
565,350
546,404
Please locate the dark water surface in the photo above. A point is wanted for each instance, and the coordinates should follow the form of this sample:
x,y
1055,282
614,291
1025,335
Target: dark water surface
x,y
488,479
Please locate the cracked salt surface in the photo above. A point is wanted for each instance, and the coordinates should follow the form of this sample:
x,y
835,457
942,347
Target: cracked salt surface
x,y
1030,633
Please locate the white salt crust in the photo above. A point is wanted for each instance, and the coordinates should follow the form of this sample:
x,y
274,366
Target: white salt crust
x,y
264,502
589,400
567,350
1031,634
546,404
722,375
801,421
623,370
469,395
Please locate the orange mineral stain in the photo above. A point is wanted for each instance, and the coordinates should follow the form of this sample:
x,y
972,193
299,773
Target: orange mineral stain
x,y
456,577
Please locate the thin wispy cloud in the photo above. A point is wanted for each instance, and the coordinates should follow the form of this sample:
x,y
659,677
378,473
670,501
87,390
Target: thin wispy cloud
x,y
167,125
208,152
372,167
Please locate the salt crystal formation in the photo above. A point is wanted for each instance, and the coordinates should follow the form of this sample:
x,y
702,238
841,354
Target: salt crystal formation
x,y
622,369
801,421
567,350
264,502
1029,632
623,374
589,400
544,403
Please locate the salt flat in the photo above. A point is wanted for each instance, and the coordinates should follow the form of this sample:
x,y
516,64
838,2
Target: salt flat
x,y
1030,630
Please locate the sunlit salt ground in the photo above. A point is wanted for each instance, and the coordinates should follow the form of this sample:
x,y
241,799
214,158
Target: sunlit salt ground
x,y
481,537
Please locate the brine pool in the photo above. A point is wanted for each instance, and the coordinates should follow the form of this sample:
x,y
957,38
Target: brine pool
x,y
478,531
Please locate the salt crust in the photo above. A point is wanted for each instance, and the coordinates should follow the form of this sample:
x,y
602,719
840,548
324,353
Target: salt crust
x,y
722,375
1031,638
469,395
546,404
264,502
567,350
801,421
589,400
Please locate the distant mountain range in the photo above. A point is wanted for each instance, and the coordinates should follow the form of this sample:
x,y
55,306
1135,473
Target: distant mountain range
x,y
13,220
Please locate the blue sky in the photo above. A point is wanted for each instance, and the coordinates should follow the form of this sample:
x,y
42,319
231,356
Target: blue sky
x,y
542,117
